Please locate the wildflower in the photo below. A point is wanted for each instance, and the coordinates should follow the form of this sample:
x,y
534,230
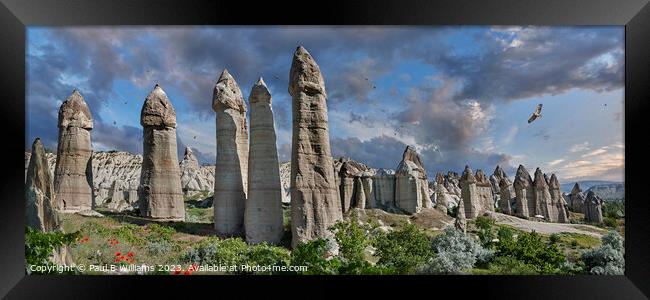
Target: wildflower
x,y
129,254
118,253
177,271
187,272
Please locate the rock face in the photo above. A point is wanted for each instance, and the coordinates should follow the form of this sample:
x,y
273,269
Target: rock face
x,y
484,191
194,178
73,173
315,202
383,189
263,212
576,198
231,175
506,195
525,196
441,194
411,185
160,193
39,192
461,222
543,203
593,208
557,199
347,171
469,194
123,196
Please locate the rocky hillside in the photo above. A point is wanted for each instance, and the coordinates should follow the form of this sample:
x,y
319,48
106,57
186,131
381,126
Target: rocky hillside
x,y
609,192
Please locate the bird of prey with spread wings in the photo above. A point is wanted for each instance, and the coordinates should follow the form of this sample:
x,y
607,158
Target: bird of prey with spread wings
x,y
536,114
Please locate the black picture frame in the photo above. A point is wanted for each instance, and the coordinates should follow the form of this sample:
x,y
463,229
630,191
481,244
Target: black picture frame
x,y
15,15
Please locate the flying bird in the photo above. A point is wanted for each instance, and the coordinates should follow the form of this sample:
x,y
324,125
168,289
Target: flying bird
x,y
195,137
536,114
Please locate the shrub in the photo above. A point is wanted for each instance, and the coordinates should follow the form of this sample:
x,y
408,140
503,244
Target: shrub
x,y
610,222
530,249
506,265
351,238
403,250
554,238
485,234
455,253
313,255
39,247
609,258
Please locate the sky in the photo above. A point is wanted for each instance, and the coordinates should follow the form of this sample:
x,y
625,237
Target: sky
x,y
461,95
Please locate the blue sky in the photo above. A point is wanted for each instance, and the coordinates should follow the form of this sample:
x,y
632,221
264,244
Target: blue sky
x,y
461,94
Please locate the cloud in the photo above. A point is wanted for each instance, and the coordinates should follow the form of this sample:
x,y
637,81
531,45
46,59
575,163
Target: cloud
x,y
605,163
579,147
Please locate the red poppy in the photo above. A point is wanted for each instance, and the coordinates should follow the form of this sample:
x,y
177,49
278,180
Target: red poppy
x,y
177,271
129,254
118,253
187,272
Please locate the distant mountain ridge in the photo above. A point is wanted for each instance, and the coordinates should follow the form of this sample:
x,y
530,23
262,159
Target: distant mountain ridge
x,y
608,190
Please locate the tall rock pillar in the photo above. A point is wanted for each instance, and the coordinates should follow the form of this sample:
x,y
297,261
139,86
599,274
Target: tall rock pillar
x,y
39,192
557,200
231,173
543,201
73,178
315,205
160,192
411,185
506,194
469,194
525,197
263,212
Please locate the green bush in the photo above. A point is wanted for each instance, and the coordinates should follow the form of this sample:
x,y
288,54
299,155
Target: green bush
x,y
610,222
351,238
235,252
39,247
530,249
554,238
313,255
485,234
404,250
506,265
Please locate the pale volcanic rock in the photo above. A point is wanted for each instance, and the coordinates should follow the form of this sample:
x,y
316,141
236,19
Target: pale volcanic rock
x,y
411,185
360,193
39,192
263,212
383,189
441,194
121,196
577,198
484,189
592,208
469,195
160,192
461,222
73,177
231,175
524,193
557,199
544,203
506,195
346,172
111,166
285,181
195,178
315,202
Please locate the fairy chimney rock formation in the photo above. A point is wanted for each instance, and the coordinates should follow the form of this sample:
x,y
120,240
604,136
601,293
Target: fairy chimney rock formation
x,y
576,198
73,177
484,189
593,208
505,196
39,192
441,194
461,223
263,211
231,174
525,196
315,204
160,193
469,194
557,200
543,201
411,185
